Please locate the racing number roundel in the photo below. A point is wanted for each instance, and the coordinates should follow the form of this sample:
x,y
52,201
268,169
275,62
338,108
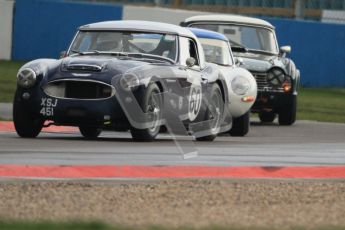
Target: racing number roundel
x,y
195,97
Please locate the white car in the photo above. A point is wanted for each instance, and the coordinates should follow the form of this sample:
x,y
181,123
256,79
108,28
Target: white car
x,y
217,50
254,41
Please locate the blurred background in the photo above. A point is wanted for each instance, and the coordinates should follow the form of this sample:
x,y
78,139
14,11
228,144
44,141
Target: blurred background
x,y
315,29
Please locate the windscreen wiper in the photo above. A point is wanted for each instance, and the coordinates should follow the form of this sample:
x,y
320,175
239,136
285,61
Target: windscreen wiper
x,y
261,52
123,54
239,49
152,56
77,52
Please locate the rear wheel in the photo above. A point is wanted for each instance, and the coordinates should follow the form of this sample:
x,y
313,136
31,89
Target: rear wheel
x,y
287,116
151,103
25,123
267,116
240,125
90,132
214,112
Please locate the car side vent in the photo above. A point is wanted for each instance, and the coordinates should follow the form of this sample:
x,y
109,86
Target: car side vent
x,y
85,68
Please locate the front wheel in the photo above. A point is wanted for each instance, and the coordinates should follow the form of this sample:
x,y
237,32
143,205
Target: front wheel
x,y
25,123
287,115
214,113
267,116
90,132
240,125
151,103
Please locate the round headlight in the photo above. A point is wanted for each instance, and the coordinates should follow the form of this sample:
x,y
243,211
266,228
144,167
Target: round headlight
x,y
240,85
26,78
129,81
276,77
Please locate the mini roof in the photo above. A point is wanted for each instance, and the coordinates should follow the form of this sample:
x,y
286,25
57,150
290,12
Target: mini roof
x,y
230,18
144,26
201,33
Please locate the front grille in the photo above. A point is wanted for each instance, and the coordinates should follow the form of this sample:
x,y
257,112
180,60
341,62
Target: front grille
x,y
79,89
263,85
261,81
85,68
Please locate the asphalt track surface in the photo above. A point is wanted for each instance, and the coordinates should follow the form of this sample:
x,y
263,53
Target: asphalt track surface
x,y
304,144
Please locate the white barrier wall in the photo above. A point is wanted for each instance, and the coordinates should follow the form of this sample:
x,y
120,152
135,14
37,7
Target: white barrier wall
x,y
6,20
157,14
333,16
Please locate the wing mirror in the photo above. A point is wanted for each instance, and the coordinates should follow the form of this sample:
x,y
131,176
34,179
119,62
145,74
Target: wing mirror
x,y
190,62
285,50
238,61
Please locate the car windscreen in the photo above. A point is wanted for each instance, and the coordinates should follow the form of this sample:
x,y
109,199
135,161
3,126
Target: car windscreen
x,y
250,37
216,51
129,42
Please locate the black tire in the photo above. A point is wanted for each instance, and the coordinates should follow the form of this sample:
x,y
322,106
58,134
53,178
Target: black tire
x,y
25,123
287,115
217,107
149,103
90,132
267,116
240,125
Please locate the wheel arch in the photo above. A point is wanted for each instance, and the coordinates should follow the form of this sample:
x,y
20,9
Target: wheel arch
x,y
223,89
158,81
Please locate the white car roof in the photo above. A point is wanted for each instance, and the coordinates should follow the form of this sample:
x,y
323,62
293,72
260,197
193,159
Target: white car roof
x,y
133,25
238,19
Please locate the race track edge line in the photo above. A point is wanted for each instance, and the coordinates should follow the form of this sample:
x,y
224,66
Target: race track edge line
x,y
8,126
140,171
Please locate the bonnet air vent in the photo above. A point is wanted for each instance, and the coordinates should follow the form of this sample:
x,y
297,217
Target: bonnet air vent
x,y
84,67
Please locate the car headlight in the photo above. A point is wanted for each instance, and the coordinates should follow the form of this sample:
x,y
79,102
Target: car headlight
x,y
26,78
129,81
276,77
240,85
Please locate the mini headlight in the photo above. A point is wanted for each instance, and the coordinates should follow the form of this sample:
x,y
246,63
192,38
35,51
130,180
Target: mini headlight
x,y
276,77
26,78
129,81
240,85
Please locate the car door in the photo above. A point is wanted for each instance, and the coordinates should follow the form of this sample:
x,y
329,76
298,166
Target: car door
x,y
194,76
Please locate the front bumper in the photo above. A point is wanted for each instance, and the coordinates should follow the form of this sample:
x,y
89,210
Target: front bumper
x,y
105,113
271,101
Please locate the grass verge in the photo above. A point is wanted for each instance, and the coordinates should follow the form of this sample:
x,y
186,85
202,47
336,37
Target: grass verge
x,y
5,119
21,225
324,104
8,73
